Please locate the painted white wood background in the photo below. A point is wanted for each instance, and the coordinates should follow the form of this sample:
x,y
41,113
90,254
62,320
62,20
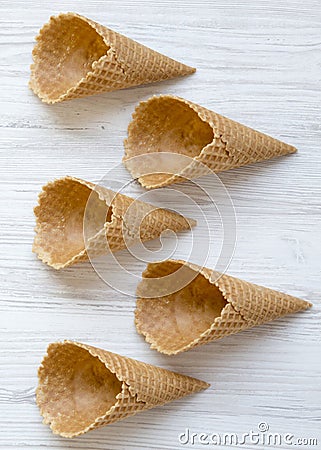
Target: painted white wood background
x,y
259,62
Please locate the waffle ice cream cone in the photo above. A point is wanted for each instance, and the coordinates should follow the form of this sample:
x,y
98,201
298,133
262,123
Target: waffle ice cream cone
x,y
82,387
182,305
76,57
195,141
75,218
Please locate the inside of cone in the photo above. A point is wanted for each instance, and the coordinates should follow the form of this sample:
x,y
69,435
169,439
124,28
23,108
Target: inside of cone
x,y
169,125
66,50
60,220
75,388
171,322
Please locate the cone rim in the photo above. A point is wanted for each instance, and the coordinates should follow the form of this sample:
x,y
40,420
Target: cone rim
x,y
35,87
97,420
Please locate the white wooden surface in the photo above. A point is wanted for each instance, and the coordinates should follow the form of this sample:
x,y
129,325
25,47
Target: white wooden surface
x,y
259,63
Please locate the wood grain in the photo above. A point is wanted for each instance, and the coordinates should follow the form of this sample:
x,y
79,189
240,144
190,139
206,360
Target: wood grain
x,y
259,63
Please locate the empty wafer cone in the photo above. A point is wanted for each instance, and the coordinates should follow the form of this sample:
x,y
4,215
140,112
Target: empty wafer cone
x,y
75,218
82,387
195,141
76,57
182,305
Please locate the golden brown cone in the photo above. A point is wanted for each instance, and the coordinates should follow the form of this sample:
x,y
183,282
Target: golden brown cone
x,y
210,306
208,141
76,57
69,208
82,387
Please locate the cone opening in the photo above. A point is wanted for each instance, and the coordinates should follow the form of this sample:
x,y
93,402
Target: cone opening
x,y
75,388
60,220
170,323
65,53
166,124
